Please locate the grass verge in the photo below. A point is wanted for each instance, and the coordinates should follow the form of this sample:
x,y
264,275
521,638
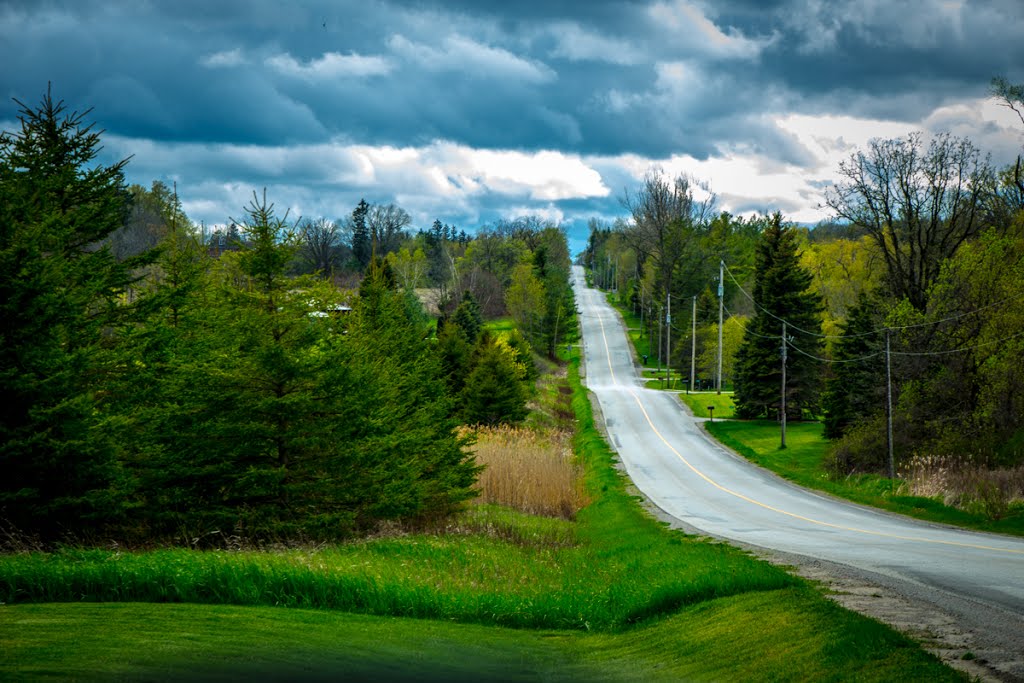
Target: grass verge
x,y
698,403
804,462
808,639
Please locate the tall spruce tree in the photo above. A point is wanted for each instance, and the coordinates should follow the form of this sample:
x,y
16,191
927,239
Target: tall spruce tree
x,y
60,293
780,294
856,388
361,248
468,317
494,392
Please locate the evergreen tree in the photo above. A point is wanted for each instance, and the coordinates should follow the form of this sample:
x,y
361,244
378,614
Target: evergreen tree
x,y
494,393
412,463
468,317
361,248
454,353
237,417
60,293
780,294
856,387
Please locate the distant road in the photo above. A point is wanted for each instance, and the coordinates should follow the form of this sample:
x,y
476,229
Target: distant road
x,y
977,576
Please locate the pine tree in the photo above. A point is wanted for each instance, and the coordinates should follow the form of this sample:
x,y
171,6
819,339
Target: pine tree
x,y
494,393
468,317
60,293
361,248
780,294
856,388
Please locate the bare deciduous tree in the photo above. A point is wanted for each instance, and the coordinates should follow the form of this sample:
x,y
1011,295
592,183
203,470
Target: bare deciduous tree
x,y
918,205
666,213
387,224
321,242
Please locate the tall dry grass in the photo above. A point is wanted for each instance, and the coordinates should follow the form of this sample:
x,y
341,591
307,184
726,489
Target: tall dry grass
x,y
530,471
964,485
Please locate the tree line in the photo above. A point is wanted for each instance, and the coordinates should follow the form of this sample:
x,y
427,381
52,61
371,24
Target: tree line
x,y
910,295
165,384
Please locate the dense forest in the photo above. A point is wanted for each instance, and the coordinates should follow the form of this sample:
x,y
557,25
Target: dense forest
x,y
270,378
905,308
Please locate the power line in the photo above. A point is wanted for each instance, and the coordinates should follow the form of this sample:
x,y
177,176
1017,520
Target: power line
x,y
861,359
960,350
770,314
832,360
877,330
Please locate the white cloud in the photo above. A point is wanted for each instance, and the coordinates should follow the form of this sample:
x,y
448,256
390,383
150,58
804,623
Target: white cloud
x,y
214,178
578,45
224,59
688,26
461,54
330,66
831,139
549,213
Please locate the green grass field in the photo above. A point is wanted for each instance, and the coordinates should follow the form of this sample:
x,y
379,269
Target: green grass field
x,y
498,595
698,403
809,639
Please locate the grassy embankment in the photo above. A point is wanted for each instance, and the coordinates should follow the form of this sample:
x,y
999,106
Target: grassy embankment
x,y
498,594
806,459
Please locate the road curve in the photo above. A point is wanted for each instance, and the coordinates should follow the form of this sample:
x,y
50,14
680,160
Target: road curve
x,y
698,482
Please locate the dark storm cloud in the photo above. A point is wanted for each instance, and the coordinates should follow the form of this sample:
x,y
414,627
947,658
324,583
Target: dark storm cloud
x,y
216,93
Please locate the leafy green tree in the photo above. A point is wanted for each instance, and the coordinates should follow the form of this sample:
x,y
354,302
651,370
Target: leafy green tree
x,y
524,300
843,270
60,294
961,393
410,267
552,264
780,294
522,354
707,348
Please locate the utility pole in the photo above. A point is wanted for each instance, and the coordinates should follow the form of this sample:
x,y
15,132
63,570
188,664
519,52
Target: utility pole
x,y
888,405
668,335
659,340
783,444
721,305
693,345
642,311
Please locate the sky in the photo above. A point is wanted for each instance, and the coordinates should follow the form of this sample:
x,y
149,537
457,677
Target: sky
x,y
472,111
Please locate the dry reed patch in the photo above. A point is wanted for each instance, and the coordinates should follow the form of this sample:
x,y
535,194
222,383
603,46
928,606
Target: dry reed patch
x,y
529,471
963,485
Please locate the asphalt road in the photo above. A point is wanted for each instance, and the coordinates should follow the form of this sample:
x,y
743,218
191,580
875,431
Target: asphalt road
x,y
978,577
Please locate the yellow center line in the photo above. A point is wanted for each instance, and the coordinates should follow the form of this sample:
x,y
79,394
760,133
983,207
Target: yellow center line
x,y
748,499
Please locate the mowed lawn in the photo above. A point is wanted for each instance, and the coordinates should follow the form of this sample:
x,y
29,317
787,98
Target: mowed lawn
x,y
791,635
